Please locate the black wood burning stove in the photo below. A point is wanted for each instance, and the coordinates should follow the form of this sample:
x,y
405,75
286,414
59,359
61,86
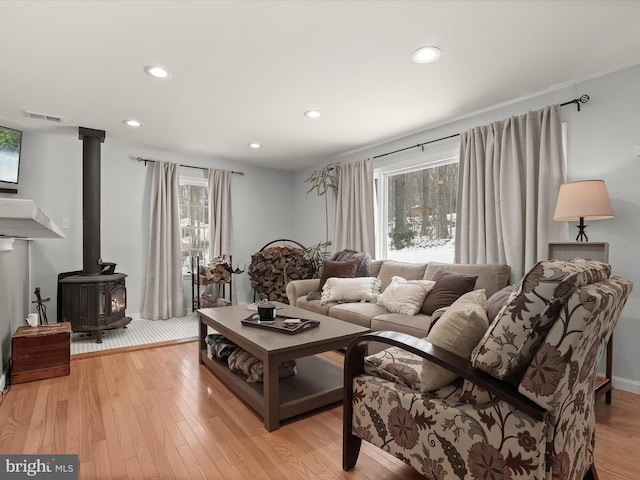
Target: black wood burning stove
x,y
93,299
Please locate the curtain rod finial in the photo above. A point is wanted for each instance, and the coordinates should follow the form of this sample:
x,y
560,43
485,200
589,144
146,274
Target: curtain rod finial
x,y
583,99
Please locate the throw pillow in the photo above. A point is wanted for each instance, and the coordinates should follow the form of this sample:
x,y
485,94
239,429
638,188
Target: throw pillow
x,y
497,301
448,288
492,277
358,289
391,268
363,259
405,296
333,269
458,331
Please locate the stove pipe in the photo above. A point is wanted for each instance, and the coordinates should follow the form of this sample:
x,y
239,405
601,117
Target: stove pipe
x,y
91,140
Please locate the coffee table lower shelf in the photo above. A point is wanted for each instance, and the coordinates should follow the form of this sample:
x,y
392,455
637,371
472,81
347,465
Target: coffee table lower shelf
x,y
316,384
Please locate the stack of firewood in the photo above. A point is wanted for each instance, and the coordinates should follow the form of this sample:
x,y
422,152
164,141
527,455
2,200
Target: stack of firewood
x,y
272,268
217,271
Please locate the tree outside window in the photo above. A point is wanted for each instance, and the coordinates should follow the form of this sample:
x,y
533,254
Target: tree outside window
x,y
418,213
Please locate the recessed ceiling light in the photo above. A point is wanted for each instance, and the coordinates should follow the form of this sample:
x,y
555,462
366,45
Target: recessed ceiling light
x,y
254,145
426,54
312,113
132,123
156,71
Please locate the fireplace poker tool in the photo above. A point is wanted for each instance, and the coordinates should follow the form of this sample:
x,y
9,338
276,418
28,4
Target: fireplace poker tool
x,y
41,307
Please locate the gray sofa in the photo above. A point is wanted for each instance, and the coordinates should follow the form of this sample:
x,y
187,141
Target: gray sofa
x,y
491,277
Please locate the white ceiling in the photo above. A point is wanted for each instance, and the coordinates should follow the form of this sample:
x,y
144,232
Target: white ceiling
x,y
245,71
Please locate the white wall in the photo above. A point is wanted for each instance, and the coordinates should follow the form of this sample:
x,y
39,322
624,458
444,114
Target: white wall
x,y
311,208
601,144
14,292
51,175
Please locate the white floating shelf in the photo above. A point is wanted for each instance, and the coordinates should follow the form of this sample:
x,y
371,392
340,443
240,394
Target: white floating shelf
x,y
6,244
23,219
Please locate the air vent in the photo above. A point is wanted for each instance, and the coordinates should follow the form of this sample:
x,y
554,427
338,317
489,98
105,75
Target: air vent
x,y
44,116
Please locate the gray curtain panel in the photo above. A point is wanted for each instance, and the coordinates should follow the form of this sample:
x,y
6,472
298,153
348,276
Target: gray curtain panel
x,y
354,215
220,221
510,174
164,294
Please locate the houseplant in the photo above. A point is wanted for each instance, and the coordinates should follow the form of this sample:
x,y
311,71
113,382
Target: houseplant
x,y
321,181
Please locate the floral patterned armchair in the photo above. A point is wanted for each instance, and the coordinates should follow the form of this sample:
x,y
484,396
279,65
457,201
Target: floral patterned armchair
x,y
523,407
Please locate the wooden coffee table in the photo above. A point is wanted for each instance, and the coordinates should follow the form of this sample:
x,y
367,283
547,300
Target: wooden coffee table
x,y
317,383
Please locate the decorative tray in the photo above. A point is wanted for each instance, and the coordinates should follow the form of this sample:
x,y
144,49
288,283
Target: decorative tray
x,y
279,324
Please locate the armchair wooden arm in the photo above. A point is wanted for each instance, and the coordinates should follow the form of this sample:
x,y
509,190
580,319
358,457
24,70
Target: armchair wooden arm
x,y
354,365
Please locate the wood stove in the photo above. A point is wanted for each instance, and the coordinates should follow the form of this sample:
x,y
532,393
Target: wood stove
x,y
93,299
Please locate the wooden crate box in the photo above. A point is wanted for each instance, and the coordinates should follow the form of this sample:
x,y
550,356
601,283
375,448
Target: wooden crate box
x,y
40,352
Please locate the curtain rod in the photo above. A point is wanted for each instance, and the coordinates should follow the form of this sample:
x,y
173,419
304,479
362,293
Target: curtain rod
x,y
146,160
576,101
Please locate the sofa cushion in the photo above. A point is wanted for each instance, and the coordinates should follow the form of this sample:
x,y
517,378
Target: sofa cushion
x,y
458,331
314,305
498,300
395,365
358,313
331,269
515,334
374,268
358,289
416,325
448,288
408,271
491,276
336,269
403,368
405,296
363,259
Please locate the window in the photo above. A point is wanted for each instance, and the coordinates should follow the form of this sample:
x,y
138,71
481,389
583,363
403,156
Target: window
x,y
417,209
194,220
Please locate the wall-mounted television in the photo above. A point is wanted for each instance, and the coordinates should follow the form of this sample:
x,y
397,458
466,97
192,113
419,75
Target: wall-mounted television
x,y
10,144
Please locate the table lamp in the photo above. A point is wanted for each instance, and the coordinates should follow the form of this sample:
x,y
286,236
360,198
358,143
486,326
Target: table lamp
x,y
583,200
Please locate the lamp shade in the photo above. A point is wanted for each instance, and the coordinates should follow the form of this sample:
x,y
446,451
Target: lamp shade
x,y
587,199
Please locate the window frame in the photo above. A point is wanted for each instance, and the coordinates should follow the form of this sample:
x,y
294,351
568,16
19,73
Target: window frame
x,y
193,179
411,162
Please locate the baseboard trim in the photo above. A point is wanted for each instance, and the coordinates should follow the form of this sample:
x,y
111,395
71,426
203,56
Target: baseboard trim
x,y
625,384
3,379
112,351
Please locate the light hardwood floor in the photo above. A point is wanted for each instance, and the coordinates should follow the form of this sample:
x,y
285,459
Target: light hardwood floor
x,y
157,413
